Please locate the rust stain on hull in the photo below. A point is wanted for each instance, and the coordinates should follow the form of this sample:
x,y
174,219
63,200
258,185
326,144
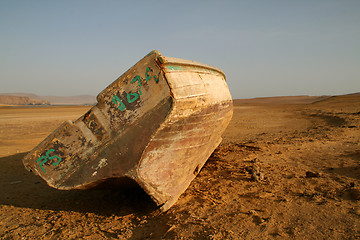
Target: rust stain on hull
x,y
157,124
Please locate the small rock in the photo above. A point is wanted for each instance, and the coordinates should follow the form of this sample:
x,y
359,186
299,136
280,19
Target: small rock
x,y
15,182
312,174
355,193
252,212
356,211
290,176
257,219
256,175
282,199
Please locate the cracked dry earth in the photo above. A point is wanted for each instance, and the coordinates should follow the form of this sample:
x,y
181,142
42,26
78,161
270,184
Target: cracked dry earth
x,y
283,171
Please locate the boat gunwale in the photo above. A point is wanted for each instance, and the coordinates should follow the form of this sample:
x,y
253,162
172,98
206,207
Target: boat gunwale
x,y
165,61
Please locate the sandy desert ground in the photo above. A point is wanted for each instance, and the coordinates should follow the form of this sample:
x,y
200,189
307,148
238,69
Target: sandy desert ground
x,y
285,170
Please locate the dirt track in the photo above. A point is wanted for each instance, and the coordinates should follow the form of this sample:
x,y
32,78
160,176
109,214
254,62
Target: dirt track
x,y
282,171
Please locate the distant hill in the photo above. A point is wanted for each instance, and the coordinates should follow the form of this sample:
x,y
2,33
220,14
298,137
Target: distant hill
x,y
21,100
32,99
304,99
352,94
344,102
73,100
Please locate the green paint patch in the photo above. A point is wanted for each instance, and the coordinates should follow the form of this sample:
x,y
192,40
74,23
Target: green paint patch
x,y
132,97
175,67
117,101
152,52
43,159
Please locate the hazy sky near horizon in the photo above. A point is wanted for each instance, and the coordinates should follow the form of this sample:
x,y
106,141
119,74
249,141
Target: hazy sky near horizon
x,y
265,48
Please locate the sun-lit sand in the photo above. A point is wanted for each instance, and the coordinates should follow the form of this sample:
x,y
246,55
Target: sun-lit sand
x,y
287,168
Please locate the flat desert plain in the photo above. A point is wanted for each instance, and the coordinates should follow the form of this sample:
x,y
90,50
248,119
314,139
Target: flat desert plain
x,y
285,170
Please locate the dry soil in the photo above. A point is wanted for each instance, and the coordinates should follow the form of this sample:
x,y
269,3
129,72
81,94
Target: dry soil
x,y
283,171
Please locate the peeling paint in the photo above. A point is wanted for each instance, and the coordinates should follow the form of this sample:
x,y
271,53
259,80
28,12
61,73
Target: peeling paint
x,y
102,163
157,123
174,67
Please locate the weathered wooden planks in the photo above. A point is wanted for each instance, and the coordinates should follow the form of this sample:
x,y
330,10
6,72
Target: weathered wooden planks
x,y
157,124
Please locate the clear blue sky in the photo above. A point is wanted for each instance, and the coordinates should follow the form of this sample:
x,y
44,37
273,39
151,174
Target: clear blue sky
x,y
265,48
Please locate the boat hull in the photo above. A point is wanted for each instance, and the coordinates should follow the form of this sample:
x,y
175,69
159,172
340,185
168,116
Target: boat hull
x,y
157,124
